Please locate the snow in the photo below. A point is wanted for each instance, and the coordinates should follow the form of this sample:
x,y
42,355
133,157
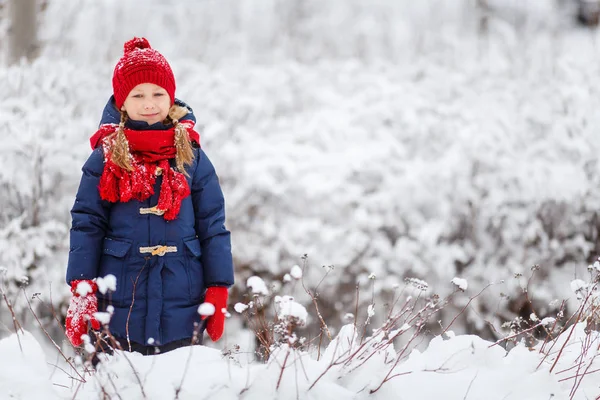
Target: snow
x,y
370,310
257,285
87,344
533,317
578,286
288,308
103,317
449,368
240,307
462,284
206,309
83,288
109,282
24,374
548,321
296,272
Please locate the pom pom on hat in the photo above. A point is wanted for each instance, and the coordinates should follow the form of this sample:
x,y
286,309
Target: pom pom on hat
x,y
140,63
136,43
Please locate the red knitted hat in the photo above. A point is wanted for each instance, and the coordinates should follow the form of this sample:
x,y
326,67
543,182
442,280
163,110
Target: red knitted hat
x,y
141,64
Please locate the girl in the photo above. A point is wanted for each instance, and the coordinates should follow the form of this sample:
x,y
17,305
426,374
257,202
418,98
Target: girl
x,y
150,211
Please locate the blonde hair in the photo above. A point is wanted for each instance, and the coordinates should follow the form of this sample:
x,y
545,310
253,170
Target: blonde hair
x,y
119,146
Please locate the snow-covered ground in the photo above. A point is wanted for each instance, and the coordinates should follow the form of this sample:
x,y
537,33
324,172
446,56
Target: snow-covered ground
x,y
452,367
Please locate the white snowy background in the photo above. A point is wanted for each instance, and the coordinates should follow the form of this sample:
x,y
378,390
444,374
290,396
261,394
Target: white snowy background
x,y
385,140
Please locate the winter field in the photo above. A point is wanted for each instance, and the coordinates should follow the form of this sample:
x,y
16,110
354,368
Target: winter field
x,y
401,146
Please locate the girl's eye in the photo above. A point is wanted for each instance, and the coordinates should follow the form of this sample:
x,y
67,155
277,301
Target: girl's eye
x,y
138,96
159,94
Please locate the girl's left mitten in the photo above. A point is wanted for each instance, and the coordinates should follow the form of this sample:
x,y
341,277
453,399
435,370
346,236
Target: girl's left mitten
x,y
217,296
82,308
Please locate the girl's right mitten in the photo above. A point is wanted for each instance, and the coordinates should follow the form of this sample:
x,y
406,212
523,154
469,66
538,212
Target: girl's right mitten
x,y
82,308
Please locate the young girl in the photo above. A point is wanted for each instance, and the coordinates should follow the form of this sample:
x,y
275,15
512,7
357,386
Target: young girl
x,y
150,211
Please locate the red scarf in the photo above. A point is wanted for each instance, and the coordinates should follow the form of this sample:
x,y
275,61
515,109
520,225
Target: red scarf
x,y
151,152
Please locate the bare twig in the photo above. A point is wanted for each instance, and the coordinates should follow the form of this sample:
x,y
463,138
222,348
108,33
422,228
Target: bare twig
x,y
16,323
314,299
282,369
131,305
465,307
50,338
189,357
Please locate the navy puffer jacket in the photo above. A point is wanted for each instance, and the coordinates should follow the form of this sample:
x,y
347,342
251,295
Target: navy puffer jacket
x,y
157,297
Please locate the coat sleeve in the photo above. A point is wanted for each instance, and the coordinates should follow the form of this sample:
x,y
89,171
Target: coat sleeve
x,y
90,216
209,210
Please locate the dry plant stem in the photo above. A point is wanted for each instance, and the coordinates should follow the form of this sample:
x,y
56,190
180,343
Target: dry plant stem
x,y
282,369
395,302
515,335
114,387
116,345
62,370
16,323
77,389
314,300
364,334
137,376
187,361
349,355
465,307
526,290
48,336
562,371
419,328
51,308
319,346
398,358
131,305
571,330
383,345
547,353
577,382
470,384
585,348
260,327
552,330
331,365
400,374
355,312
303,367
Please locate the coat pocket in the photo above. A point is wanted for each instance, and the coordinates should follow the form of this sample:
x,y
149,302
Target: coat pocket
x,y
194,269
113,263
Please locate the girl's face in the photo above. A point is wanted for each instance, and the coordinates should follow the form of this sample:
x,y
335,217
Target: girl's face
x,y
147,102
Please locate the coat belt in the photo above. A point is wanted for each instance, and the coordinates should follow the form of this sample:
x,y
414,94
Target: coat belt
x,y
158,250
151,210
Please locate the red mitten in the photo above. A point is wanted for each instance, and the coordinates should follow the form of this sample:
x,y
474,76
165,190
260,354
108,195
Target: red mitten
x,y
217,296
81,309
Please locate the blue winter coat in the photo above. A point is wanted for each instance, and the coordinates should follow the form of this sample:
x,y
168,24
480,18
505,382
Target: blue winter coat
x,y
106,238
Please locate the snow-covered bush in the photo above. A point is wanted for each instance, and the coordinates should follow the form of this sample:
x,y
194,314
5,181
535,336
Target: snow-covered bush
x,y
46,117
414,147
